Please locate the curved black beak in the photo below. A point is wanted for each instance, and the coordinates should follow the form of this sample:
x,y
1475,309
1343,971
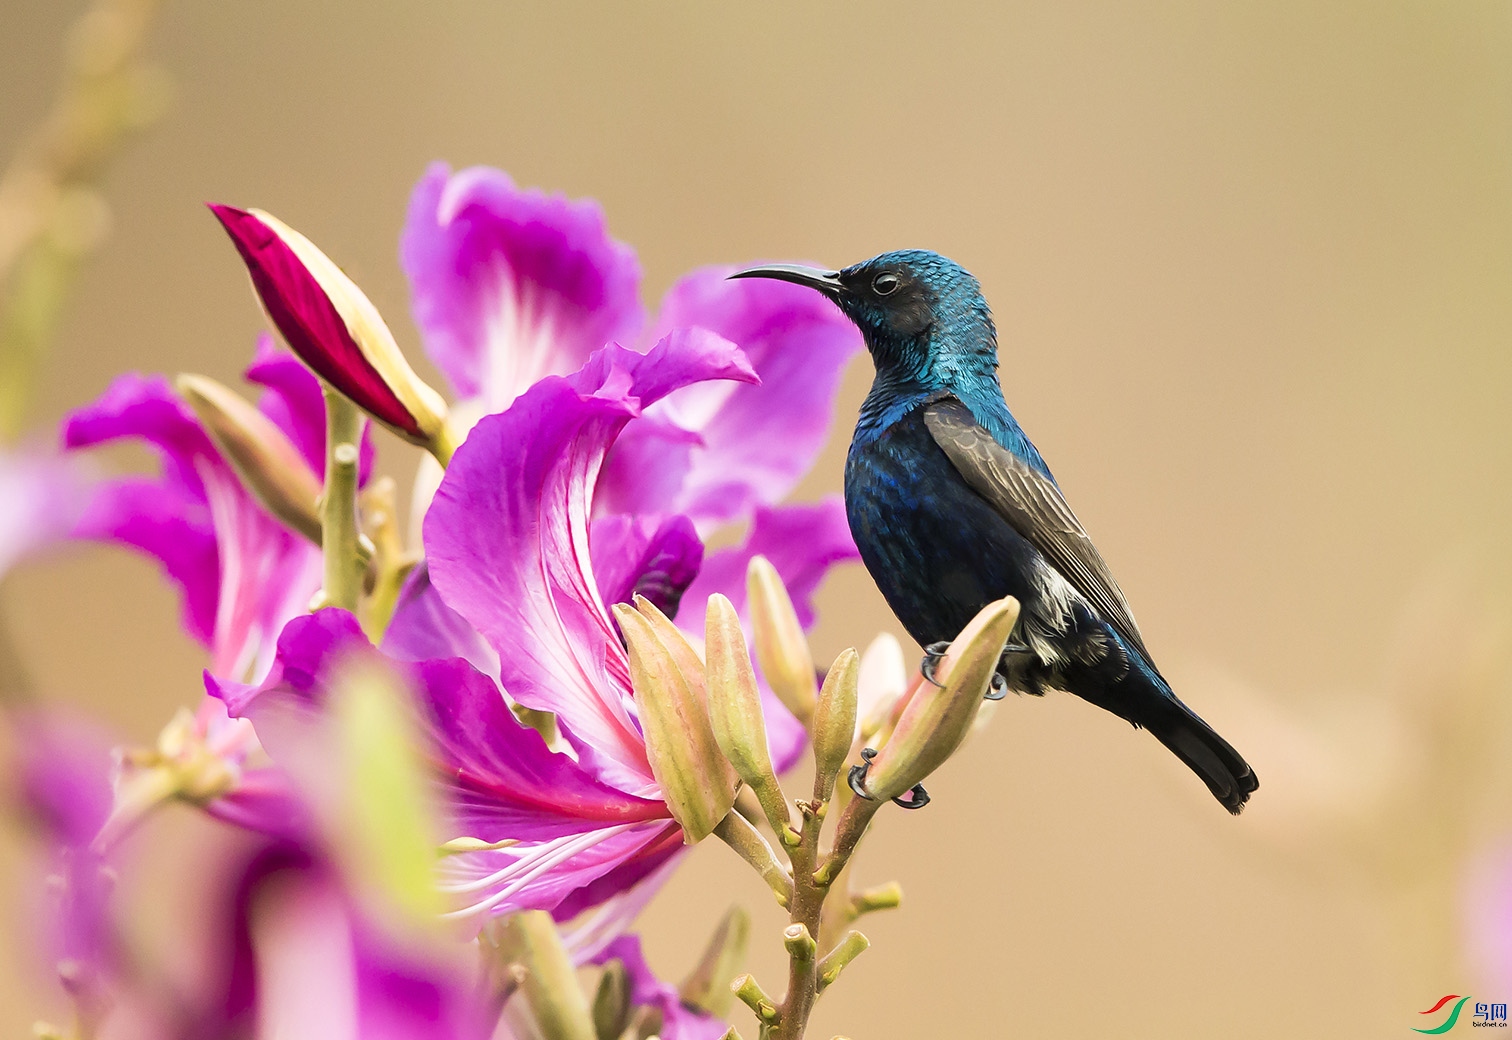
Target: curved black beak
x,y
827,282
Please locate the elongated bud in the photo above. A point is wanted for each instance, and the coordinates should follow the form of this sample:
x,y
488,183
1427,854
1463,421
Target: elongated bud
x,y
679,741
611,1002
269,465
834,722
735,712
549,982
708,986
786,662
692,668
937,719
334,328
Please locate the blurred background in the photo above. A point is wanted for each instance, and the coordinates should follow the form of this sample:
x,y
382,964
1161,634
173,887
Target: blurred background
x,y
1250,265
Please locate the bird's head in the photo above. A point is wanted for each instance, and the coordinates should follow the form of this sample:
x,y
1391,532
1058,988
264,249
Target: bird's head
x,y
917,310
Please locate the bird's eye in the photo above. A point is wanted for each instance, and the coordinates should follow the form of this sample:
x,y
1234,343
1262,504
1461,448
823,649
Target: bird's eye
x,y
884,284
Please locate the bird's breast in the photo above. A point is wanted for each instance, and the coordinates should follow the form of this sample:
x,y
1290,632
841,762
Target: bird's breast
x,y
937,550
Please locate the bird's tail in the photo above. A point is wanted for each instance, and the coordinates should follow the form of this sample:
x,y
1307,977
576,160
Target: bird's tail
x,y
1223,769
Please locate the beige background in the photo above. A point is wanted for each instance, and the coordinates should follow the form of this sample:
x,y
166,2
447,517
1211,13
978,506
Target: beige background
x,y
1251,267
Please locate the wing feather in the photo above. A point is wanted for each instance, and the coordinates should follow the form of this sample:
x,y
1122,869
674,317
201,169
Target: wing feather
x,y
1034,506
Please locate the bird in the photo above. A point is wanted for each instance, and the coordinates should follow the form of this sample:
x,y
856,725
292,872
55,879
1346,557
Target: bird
x,y
952,507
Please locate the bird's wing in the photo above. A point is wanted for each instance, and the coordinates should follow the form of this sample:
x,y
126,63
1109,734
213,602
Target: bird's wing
x,y
1034,506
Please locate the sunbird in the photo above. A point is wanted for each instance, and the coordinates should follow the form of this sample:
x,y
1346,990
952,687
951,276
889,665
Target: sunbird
x,y
952,507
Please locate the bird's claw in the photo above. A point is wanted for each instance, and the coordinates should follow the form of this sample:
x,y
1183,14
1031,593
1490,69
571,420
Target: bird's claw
x,y
998,690
934,653
915,798
856,778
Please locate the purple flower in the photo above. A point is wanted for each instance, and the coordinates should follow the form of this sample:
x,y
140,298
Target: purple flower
x,y
590,488
514,603
512,285
241,573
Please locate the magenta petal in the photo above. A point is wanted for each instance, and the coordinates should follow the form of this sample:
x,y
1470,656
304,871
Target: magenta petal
x,y
645,556
307,319
511,284
502,779
145,407
242,574
507,782
296,405
541,876
507,541
62,770
517,569
264,800
803,542
639,877
304,959
648,467
424,627
759,440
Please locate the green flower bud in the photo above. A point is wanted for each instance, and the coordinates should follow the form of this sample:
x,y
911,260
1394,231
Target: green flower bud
x,y
781,648
611,1003
834,725
937,719
267,462
735,711
695,778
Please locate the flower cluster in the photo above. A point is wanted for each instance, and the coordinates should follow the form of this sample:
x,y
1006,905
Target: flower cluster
x,y
498,732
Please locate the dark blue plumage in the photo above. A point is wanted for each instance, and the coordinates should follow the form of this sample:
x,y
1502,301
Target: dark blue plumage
x,y
952,507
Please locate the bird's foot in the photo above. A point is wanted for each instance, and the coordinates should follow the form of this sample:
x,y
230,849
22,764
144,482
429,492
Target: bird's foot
x,y
1011,651
934,653
915,798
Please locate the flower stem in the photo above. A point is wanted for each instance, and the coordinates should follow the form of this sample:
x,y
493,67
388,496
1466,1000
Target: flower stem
x,y
853,823
338,503
804,914
738,833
